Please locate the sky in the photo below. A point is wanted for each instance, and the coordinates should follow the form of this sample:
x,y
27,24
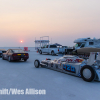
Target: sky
x,y
62,20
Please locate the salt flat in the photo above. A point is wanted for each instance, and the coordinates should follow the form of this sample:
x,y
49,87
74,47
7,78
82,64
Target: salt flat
x,y
58,86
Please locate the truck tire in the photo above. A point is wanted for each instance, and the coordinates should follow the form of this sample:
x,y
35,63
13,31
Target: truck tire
x,y
37,63
52,53
40,52
87,73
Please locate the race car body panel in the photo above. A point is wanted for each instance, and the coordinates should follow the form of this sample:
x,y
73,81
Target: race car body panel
x,y
69,68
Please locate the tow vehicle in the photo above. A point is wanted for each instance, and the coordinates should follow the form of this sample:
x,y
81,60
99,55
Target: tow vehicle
x,y
49,49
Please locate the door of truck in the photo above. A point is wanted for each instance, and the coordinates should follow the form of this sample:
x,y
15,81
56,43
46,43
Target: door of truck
x,y
47,49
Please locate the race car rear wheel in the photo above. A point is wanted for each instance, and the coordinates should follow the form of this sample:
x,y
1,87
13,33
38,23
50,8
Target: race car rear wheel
x,y
37,63
87,73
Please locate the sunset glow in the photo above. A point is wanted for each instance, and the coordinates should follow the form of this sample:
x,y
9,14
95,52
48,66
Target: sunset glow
x,y
21,41
62,20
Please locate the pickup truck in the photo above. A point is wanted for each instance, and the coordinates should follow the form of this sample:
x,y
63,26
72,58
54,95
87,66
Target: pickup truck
x,y
49,49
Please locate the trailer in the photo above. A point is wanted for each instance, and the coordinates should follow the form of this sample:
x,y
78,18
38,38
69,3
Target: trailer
x,y
40,43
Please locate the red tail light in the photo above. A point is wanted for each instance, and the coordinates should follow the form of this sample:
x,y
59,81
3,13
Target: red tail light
x,y
58,49
14,55
26,54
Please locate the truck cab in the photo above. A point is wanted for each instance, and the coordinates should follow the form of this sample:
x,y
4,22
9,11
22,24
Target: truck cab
x,y
79,45
49,49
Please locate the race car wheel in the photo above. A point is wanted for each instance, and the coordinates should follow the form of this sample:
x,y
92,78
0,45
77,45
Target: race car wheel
x,y
52,53
87,73
40,52
37,63
9,59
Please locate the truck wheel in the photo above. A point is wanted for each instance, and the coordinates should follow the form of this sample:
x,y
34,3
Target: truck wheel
x,y
52,53
40,52
37,63
87,73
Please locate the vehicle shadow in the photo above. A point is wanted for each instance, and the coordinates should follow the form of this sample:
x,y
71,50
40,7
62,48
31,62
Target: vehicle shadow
x,y
48,54
20,61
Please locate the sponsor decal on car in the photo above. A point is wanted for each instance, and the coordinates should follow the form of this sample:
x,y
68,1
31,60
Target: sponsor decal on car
x,y
74,60
69,68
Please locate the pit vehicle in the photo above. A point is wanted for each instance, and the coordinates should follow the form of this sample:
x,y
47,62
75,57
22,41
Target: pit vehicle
x,y
87,42
15,54
84,46
89,69
49,49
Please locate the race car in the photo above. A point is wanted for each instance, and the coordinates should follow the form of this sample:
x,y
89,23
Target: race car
x,y
15,54
89,69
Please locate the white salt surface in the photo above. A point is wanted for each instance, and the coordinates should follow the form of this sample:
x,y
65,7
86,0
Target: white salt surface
x,y
58,86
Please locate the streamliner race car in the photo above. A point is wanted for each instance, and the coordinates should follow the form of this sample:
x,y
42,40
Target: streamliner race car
x,y
89,69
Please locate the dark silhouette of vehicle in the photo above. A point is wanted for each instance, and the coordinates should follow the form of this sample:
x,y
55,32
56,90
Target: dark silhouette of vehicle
x,y
2,51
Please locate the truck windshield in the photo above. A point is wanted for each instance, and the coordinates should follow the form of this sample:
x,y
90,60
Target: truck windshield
x,y
78,44
53,46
